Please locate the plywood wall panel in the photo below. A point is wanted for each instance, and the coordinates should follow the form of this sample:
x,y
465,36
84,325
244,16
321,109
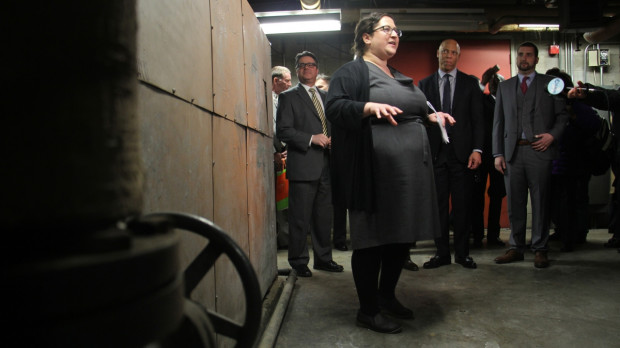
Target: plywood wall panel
x,y
257,52
176,141
230,201
261,208
174,48
228,72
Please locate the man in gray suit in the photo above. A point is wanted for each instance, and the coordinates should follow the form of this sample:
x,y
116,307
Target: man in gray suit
x,y
302,125
528,122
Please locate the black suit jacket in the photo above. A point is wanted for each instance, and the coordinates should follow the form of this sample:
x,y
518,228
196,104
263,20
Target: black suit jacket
x,y
297,120
467,110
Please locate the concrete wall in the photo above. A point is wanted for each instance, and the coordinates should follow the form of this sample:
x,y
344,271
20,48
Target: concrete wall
x,y
204,108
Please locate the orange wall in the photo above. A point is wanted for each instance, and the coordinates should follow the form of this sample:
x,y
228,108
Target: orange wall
x,y
418,59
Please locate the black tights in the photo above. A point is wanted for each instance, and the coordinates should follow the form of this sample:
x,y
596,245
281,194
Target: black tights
x,y
376,271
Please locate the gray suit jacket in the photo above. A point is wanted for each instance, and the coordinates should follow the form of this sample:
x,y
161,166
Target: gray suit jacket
x,y
550,116
297,120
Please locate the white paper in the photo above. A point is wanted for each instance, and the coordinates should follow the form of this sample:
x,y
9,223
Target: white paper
x,y
444,134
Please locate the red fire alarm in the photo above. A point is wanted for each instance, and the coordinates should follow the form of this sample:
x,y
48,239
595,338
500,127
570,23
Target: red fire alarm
x,y
554,49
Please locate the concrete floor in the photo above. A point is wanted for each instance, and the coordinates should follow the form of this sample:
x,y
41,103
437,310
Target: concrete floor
x,y
573,303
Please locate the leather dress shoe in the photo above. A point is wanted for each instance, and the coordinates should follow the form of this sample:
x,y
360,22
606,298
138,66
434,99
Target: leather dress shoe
x,y
394,308
495,242
541,260
510,256
436,261
329,266
467,262
341,246
378,323
303,271
411,266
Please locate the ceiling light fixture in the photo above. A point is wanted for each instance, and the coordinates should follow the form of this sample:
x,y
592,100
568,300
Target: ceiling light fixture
x,y
540,26
282,22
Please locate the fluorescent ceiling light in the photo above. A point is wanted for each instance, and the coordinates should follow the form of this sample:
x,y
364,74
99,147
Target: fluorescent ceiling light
x,y
540,26
306,21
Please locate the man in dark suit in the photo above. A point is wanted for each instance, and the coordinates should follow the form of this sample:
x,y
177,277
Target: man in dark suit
x,y
302,125
459,95
528,122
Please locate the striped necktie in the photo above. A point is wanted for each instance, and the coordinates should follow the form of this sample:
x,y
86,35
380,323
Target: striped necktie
x,y
319,109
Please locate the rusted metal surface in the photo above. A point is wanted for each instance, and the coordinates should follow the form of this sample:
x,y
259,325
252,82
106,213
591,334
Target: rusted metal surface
x,y
257,53
261,207
201,156
174,48
228,72
177,156
230,202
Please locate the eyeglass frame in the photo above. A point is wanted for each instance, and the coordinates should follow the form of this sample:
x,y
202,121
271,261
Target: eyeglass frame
x,y
389,30
304,65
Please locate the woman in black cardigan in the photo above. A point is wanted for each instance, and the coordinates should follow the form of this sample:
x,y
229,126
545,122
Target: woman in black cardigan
x,y
381,168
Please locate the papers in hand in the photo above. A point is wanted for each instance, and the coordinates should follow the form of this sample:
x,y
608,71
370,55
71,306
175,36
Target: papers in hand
x,y
444,134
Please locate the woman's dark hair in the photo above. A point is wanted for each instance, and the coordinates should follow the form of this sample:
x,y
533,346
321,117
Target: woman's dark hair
x,y
366,25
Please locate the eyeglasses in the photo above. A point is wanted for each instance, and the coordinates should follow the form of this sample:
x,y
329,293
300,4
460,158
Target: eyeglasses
x,y
306,65
388,30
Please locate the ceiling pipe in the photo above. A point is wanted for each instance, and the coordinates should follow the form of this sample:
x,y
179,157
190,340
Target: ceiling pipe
x,y
507,20
611,29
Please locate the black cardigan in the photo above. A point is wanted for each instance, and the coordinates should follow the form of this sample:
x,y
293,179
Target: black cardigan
x,y
351,160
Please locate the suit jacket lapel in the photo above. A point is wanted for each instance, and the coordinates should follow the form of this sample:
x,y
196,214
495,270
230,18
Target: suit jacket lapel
x,y
435,97
303,95
457,96
514,89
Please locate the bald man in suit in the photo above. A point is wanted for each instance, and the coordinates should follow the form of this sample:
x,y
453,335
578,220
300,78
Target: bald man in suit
x,y
458,94
527,123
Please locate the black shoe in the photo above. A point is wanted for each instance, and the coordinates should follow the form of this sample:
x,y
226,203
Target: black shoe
x,y
411,266
395,308
477,244
341,246
329,266
495,242
378,323
303,271
436,261
466,262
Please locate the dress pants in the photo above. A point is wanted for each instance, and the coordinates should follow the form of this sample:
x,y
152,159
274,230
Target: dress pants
x,y
453,182
496,195
527,172
310,211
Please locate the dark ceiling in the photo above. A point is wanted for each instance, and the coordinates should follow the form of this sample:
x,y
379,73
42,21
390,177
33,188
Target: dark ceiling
x,y
482,15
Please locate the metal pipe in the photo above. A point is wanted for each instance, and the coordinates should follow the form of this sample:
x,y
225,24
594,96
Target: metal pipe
x,y
270,335
585,64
